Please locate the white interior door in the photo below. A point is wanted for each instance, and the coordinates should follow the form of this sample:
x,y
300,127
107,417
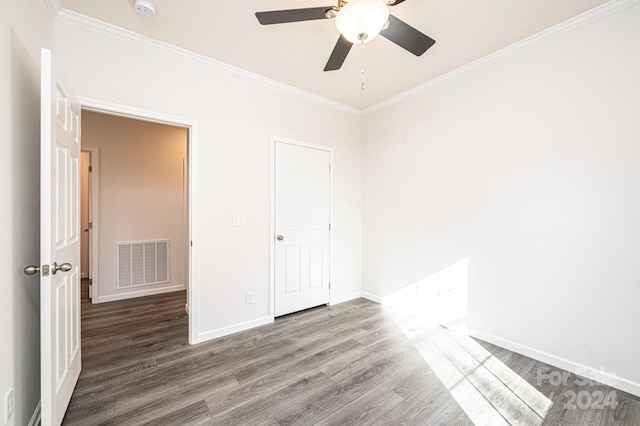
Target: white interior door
x,y
302,226
59,244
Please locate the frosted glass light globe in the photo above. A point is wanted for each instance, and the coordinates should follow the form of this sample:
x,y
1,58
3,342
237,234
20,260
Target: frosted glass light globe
x,y
360,21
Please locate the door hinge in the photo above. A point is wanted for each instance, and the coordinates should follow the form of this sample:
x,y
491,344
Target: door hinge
x,y
90,225
329,168
329,227
329,285
90,169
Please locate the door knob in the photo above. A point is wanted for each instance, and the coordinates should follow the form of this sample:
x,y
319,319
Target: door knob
x,y
65,267
31,270
86,230
279,238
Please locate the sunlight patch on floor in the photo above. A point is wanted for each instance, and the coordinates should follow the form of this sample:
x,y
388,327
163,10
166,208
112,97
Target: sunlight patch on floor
x,y
486,389
526,392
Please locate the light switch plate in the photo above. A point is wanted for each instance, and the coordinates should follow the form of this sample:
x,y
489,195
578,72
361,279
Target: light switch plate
x,y
237,221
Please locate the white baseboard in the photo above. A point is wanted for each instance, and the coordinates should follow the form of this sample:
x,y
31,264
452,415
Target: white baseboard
x,y
138,293
355,295
371,297
345,298
235,328
35,418
598,375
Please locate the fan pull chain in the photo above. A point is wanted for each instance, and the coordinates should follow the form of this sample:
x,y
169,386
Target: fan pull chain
x,y
362,67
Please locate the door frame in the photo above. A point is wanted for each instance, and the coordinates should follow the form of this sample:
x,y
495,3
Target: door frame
x,y
191,125
93,211
272,213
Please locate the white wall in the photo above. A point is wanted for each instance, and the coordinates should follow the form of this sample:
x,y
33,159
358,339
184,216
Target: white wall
x,y
528,168
237,116
140,195
25,27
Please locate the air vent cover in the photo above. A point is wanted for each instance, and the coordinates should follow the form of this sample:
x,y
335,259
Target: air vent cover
x,y
141,263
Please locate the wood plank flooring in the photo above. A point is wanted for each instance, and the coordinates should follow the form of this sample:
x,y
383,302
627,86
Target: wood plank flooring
x,y
343,365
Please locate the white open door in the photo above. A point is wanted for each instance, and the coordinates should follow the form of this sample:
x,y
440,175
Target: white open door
x,y
59,244
302,220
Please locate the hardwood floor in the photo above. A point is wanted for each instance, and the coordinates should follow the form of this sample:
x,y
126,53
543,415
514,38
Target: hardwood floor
x,y
347,364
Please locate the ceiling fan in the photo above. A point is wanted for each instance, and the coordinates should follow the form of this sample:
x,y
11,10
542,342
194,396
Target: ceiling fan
x,y
358,21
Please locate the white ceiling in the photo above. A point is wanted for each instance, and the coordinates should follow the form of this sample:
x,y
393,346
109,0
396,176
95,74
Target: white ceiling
x,y
296,53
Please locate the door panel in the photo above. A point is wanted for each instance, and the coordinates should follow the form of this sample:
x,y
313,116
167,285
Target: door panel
x,y
291,266
316,265
302,214
59,244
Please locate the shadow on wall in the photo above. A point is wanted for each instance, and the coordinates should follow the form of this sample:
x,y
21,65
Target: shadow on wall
x,y
25,240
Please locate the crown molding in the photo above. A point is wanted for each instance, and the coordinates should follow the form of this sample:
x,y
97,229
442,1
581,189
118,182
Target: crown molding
x,y
109,30
121,34
55,6
565,27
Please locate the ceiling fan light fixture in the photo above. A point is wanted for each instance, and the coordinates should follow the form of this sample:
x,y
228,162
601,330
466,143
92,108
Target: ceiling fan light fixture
x,y
360,21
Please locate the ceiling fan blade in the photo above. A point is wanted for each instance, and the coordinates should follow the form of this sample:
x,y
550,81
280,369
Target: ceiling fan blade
x,y
395,3
407,37
339,54
292,15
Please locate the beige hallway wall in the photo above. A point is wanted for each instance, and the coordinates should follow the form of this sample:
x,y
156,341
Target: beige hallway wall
x,y
140,195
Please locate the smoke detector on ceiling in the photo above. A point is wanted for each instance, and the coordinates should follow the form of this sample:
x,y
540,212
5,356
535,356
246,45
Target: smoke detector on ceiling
x,y
145,8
